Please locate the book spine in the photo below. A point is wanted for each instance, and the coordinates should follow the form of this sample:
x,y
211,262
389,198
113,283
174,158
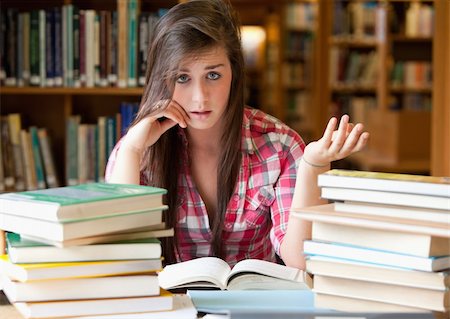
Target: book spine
x,y
11,45
14,122
49,163
132,43
26,49
39,166
58,45
122,43
72,149
49,49
76,47
28,160
42,49
8,157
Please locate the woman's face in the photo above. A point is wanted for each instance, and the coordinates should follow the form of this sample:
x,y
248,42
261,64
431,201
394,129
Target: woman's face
x,y
202,87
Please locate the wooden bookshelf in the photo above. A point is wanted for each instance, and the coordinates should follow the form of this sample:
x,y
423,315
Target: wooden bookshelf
x,y
399,116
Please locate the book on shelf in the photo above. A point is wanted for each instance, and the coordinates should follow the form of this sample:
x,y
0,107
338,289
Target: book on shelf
x,y
81,288
214,272
97,307
23,250
153,231
402,213
428,299
379,257
348,304
385,197
61,231
422,245
82,201
327,214
387,182
67,270
359,270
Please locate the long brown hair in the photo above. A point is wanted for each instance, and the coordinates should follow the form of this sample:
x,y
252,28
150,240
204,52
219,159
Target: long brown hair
x,y
188,29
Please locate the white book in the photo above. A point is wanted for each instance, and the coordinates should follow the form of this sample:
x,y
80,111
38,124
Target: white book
x,y
358,270
78,229
246,274
81,288
387,182
23,250
183,308
422,245
393,211
72,270
381,197
115,306
438,300
373,256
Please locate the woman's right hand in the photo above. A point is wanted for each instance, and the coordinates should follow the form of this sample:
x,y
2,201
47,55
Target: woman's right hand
x,y
147,131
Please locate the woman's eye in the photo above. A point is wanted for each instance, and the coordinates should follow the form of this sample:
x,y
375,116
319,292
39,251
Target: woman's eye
x,y
213,76
182,78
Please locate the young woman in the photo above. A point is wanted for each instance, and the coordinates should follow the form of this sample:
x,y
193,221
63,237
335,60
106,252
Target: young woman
x,y
230,170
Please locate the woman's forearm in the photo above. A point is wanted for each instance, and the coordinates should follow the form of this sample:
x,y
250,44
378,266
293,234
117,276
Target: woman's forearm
x,y
307,193
126,167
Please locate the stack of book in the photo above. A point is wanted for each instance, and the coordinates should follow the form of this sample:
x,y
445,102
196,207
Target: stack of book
x,y
382,244
84,250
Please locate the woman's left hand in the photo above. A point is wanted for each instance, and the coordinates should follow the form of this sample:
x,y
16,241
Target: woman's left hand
x,y
336,144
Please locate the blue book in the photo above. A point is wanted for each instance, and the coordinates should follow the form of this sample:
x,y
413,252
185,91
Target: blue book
x,y
224,301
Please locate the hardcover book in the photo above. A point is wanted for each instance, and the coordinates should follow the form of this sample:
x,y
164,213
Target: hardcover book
x,y
81,201
23,250
387,182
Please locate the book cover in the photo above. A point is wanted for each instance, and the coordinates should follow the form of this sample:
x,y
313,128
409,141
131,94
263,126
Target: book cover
x,y
81,288
23,250
378,257
94,307
56,231
385,197
249,274
82,201
387,182
72,270
422,245
359,270
326,214
428,299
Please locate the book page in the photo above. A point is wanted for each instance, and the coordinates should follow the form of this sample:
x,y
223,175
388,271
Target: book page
x,y
267,268
211,269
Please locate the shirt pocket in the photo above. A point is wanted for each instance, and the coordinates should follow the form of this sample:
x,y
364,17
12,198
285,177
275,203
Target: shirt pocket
x,y
257,206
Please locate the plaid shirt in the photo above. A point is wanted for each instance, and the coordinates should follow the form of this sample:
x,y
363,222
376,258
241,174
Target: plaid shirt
x,y
258,212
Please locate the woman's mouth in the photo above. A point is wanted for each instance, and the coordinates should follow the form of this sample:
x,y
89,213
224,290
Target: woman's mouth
x,y
203,115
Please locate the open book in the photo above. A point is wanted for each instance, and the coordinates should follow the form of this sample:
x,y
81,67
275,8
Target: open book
x,y
250,274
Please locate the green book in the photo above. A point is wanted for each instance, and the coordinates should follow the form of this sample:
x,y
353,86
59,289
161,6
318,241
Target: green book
x,y
84,201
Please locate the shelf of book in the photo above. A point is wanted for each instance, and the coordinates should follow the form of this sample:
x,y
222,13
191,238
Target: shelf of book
x,y
70,91
379,71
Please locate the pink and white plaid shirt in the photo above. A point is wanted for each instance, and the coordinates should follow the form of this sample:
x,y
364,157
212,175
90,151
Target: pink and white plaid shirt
x,y
258,212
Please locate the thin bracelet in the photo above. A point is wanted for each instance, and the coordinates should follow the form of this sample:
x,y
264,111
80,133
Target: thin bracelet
x,y
313,165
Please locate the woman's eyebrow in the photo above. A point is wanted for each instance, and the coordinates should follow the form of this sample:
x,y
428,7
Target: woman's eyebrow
x,y
209,67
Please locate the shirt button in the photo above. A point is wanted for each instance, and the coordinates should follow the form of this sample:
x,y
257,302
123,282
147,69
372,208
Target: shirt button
x,y
236,197
228,225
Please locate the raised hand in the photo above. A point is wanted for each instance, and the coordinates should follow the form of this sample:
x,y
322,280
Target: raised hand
x,y
336,144
147,131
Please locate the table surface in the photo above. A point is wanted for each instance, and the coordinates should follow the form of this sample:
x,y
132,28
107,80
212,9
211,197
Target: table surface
x,y
7,310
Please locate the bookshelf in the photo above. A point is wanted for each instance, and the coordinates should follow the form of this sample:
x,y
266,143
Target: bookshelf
x,y
394,96
297,72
